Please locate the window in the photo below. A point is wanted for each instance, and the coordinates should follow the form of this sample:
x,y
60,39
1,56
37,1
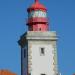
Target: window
x,y
42,51
29,74
43,74
37,14
40,29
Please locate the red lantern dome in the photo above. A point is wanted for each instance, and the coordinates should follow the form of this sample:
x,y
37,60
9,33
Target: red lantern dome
x,y
37,6
37,17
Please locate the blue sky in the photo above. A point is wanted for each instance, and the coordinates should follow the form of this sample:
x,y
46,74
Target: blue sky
x,y
13,16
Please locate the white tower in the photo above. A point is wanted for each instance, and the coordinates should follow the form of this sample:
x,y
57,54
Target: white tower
x,y
38,44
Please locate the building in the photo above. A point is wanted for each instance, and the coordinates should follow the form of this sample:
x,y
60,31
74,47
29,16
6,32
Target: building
x,y
38,44
6,72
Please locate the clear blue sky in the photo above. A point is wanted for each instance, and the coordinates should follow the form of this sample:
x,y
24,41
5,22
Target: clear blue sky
x,y
61,15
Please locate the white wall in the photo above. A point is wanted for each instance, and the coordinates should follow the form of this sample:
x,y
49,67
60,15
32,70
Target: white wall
x,y
42,64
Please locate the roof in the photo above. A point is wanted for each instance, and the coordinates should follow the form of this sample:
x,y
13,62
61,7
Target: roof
x,y
6,72
37,6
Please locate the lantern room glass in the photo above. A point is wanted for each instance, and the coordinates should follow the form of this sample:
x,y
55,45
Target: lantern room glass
x,y
37,13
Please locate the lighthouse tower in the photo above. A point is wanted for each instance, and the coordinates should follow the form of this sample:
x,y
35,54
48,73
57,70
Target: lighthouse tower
x,y
38,44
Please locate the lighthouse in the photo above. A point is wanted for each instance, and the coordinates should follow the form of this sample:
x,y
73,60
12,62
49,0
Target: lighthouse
x,y
38,44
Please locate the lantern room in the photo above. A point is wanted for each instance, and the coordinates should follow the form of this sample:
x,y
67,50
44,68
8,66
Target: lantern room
x,y
37,17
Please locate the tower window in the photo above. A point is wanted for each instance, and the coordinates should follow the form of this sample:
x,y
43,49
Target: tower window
x,y
29,74
42,51
40,29
43,74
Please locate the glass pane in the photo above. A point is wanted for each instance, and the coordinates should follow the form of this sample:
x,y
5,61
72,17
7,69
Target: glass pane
x,y
37,14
